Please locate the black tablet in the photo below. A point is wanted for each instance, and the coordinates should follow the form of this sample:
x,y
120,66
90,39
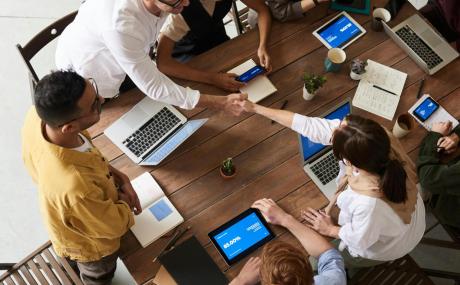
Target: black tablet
x,y
241,235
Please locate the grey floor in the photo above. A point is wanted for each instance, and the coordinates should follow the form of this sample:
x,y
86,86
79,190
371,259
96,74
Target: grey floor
x,y
21,227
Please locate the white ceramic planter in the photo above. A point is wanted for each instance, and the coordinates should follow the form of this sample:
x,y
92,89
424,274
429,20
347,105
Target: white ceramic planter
x,y
306,95
355,76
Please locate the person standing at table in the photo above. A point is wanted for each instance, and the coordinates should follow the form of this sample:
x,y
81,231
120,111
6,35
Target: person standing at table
x,y
85,203
382,216
109,40
284,264
198,28
440,179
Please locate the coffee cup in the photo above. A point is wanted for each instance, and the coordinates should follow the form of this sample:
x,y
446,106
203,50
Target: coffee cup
x,y
334,60
403,125
379,15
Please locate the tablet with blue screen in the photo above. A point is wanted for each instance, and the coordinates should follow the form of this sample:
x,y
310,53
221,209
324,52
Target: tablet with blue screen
x,y
339,32
240,236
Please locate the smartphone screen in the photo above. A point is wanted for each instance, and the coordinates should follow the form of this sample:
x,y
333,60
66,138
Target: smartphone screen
x,y
426,109
250,74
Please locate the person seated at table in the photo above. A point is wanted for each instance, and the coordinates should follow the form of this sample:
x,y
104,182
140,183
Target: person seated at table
x,y
444,15
440,179
284,264
288,10
109,40
85,202
382,216
198,28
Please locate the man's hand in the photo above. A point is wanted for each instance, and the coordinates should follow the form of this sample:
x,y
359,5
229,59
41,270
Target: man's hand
x,y
449,143
320,222
248,106
231,104
444,128
271,211
227,81
264,59
249,274
127,192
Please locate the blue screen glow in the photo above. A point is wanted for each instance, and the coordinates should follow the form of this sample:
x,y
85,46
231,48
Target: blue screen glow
x,y
310,148
339,31
426,109
241,236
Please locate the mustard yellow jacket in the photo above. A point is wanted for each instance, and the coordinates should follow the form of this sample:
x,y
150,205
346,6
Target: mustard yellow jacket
x,y
77,194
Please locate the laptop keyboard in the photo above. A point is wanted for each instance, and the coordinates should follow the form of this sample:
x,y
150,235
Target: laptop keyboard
x,y
151,132
419,46
326,169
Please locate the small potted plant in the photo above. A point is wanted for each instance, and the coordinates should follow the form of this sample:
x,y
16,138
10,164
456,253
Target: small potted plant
x,y
358,68
227,169
311,83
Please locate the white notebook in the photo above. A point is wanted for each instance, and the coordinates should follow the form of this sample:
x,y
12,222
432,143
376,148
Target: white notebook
x,y
380,89
158,215
259,87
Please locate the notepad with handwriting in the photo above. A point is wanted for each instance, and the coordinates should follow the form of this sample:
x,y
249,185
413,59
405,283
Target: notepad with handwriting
x,y
158,216
259,87
380,89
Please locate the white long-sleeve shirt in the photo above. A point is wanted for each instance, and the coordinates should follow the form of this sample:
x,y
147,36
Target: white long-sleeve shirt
x,y
369,227
110,39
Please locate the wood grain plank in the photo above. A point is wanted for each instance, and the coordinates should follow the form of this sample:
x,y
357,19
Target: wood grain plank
x,y
18,278
57,267
37,273
25,272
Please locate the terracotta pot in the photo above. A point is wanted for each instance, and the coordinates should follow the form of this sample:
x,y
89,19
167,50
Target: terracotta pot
x,y
307,95
225,176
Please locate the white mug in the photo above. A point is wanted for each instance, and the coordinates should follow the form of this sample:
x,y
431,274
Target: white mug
x,y
403,125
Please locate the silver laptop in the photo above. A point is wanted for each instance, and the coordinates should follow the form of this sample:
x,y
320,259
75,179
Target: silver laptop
x,y
428,49
318,160
150,131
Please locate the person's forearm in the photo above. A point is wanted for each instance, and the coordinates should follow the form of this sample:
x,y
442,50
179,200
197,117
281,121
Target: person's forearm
x,y
313,242
282,117
171,67
264,23
210,101
120,177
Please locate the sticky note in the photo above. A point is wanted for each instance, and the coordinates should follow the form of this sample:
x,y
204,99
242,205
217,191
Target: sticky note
x,y
160,210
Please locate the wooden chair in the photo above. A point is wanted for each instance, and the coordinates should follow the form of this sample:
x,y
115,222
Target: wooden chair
x,y
41,40
43,266
403,271
240,18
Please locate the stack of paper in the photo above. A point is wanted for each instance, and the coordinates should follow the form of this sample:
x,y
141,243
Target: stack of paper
x,y
259,87
380,89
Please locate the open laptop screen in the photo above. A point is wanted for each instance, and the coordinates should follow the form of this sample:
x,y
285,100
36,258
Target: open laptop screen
x,y
310,148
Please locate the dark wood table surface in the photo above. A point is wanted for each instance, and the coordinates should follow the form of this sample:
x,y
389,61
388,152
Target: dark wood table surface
x,y
266,155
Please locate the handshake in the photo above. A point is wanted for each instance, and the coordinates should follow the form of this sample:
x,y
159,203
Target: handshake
x,y
234,104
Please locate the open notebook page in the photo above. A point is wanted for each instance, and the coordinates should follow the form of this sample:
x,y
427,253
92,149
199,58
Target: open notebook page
x,y
147,189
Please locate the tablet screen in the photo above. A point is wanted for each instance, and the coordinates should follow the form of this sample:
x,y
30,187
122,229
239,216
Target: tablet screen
x,y
426,109
339,31
241,236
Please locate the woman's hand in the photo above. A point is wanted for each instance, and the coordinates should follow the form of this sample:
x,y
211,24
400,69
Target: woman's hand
x,y
320,222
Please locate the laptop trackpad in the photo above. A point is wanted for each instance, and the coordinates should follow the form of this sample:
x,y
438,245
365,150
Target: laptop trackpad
x,y
431,38
135,117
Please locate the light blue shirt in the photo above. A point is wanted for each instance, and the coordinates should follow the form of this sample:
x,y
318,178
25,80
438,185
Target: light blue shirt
x,y
331,269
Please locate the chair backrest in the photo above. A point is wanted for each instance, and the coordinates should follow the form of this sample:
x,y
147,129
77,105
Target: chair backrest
x,y
42,266
402,271
41,40
240,18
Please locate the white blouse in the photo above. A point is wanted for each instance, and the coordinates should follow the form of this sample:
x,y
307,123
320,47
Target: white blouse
x,y
110,39
369,227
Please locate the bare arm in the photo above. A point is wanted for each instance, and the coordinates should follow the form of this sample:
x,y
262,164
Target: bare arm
x,y
313,242
170,66
282,117
264,23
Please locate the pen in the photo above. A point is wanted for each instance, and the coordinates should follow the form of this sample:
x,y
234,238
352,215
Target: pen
x,y
177,235
282,108
420,88
380,88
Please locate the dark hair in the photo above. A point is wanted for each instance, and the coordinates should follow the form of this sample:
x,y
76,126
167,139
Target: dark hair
x,y
56,97
366,145
284,264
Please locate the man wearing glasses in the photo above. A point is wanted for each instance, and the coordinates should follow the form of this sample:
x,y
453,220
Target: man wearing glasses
x,y
110,40
198,28
85,203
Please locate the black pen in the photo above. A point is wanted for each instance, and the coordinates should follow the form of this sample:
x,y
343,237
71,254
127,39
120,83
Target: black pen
x,y
380,88
420,88
282,108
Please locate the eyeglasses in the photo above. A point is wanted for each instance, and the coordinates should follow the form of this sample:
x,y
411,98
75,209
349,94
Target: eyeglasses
x,y
172,5
95,107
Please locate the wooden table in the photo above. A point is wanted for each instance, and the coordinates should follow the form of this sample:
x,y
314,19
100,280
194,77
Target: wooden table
x,y
266,155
